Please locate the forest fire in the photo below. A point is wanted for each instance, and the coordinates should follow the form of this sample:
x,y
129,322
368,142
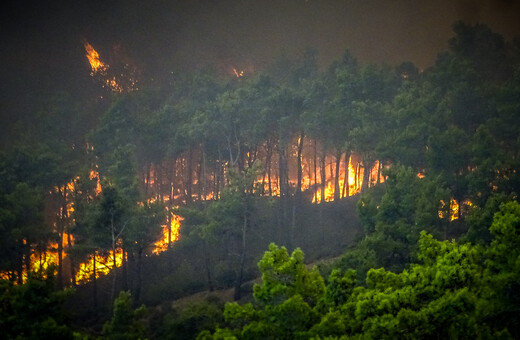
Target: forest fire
x,y
100,69
454,210
170,234
98,265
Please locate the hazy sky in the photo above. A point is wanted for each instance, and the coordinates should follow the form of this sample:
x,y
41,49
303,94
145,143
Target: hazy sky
x,y
44,39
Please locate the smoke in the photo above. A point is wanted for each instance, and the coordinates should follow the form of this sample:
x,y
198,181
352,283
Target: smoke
x,y
162,36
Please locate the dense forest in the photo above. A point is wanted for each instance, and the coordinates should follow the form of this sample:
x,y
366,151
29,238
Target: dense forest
x,y
356,200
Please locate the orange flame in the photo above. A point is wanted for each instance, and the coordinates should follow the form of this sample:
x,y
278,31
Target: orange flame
x,y
98,264
93,57
168,237
100,69
454,209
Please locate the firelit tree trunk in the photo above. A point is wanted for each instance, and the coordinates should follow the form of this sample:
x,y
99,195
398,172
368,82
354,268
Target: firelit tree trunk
x,y
71,262
189,175
323,174
114,263
366,174
203,172
322,202
346,185
315,164
284,192
336,177
268,158
60,225
94,281
299,164
124,266
20,261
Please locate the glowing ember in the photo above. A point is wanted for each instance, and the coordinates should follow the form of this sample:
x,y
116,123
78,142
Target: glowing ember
x,y
238,74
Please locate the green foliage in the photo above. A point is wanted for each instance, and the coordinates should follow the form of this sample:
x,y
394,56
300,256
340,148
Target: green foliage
x,y
188,321
126,322
284,276
456,291
33,310
394,214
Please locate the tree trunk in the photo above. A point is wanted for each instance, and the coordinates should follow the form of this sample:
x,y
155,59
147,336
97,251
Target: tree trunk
x,y
299,163
315,163
336,177
204,184
346,183
207,264
94,281
114,265
139,279
268,158
71,262
124,268
189,174
379,167
367,166
323,175
238,283
60,224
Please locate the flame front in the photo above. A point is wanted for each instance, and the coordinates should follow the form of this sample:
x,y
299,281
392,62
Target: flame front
x,y
98,265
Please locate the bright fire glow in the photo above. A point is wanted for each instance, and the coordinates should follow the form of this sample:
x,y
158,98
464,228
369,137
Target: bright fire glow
x,y
100,69
101,265
167,237
93,57
95,175
454,209
238,74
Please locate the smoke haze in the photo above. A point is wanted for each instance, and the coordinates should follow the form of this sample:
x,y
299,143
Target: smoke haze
x,y
43,41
